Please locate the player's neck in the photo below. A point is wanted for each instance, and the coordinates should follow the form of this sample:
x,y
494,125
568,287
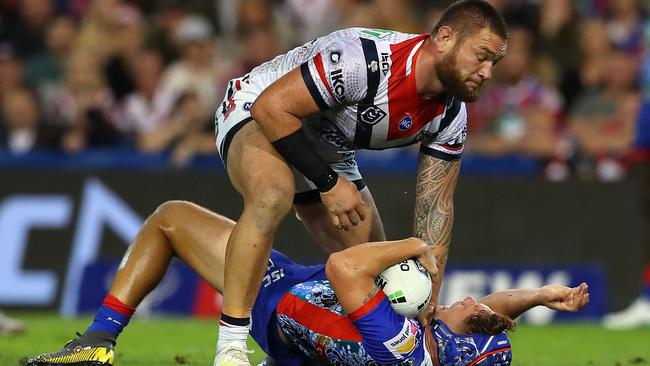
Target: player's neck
x,y
431,346
427,83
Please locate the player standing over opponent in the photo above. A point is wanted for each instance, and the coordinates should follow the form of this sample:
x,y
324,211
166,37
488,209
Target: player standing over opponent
x,y
313,107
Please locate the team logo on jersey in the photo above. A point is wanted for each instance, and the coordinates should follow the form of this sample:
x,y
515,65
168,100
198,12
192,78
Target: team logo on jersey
x,y
247,106
372,114
405,123
228,108
335,56
373,66
405,341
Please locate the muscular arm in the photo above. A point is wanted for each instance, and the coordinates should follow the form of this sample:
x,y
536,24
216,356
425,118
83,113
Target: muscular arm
x,y
516,302
434,209
352,271
281,106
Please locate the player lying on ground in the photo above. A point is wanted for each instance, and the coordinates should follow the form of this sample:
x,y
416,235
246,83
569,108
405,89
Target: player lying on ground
x,y
333,313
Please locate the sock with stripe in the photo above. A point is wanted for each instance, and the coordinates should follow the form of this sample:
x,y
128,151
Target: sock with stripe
x,y
646,282
110,320
233,330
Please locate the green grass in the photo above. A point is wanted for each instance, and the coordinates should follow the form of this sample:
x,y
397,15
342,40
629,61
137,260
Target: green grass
x,y
172,341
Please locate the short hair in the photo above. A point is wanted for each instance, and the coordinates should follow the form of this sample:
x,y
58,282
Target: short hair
x,y
470,16
487,322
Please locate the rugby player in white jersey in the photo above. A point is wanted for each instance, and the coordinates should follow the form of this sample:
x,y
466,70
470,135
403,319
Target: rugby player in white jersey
x,y
333,314
287,133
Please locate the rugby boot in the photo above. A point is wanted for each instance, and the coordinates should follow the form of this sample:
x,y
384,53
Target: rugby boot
x,y
233,355
94,348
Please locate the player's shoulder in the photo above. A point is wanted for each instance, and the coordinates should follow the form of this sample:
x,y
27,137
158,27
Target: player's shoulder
x,y
352,37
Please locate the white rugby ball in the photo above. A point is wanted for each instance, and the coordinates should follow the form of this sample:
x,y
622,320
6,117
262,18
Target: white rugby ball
x,y
407,286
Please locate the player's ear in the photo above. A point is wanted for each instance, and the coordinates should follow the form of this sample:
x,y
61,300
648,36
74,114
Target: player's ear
x,y
445,38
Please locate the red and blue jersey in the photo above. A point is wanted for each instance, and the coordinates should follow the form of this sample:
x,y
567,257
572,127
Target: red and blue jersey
x,y
312,320
300,302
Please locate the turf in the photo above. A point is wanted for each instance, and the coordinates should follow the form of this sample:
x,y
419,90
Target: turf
x,y
172,341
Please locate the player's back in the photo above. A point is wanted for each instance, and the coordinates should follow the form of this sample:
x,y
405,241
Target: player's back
x,y
312,319
349,39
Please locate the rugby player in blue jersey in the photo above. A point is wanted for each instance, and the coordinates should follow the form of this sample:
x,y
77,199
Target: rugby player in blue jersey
x,y
332,314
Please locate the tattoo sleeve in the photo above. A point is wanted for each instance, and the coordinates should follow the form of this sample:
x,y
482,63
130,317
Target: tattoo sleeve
x,y
434,207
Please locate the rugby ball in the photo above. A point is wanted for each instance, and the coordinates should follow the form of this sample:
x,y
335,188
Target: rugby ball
x,y
407,286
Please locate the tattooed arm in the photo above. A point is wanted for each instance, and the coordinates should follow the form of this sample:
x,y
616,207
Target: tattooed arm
x,y
434,209
352,271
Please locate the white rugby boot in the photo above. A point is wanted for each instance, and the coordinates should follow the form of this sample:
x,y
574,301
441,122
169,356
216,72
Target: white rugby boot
x,y
233,355
635,315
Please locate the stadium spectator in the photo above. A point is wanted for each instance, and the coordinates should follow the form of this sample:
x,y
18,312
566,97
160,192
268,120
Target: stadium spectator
x,y
147,110
25,29
594,43
128,37
603,119
161,34
82,106
397,14
46,69
517,113
11,70
559,32
20,118
197,136
625,24
258,35
198,70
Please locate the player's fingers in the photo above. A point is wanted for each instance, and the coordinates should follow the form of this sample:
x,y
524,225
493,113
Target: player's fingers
x,y
361,210
335,220
353,216
344,222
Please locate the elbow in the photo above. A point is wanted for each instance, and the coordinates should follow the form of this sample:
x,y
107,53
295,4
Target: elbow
x,y
338,268
260,110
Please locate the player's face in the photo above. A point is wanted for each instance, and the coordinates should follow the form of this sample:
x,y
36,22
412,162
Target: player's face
x,y
454,316
464,69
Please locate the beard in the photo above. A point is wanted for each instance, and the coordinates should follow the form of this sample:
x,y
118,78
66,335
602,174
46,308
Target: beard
x,y
451,79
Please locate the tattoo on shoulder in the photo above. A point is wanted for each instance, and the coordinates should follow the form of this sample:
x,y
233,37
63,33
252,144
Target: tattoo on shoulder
x,y
434,210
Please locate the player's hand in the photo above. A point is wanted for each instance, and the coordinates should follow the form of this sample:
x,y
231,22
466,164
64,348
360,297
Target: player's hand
x,y
344,204
428,261
563,298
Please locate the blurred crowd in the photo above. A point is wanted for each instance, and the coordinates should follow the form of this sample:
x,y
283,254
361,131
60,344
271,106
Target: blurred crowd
x,y
83,74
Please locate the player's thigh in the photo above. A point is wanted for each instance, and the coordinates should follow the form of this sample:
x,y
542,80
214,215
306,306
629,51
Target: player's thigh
x,y
258,172
316,219
198,236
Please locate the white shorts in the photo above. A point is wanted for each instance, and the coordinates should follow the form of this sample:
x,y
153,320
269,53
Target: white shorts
x,y
234,113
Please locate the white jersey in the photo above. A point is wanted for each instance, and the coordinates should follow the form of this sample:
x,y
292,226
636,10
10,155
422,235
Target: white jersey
x,y
363,80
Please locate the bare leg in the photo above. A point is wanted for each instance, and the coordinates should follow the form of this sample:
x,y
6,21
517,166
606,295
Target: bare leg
x,y
314,217
266,183
177,228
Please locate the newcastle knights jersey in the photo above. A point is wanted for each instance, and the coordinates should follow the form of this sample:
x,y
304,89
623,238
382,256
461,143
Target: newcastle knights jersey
x,y
363,81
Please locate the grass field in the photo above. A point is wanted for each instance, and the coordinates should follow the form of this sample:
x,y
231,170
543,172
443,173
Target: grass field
x,y
191,342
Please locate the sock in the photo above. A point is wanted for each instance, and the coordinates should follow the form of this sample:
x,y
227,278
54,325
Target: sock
x,y
111,317
233,330
646,282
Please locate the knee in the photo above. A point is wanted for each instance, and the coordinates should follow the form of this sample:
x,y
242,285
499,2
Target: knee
x,y
168,212
271,199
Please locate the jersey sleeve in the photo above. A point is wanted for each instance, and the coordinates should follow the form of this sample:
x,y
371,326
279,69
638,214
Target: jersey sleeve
x,y
449,143
389,338
337,74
